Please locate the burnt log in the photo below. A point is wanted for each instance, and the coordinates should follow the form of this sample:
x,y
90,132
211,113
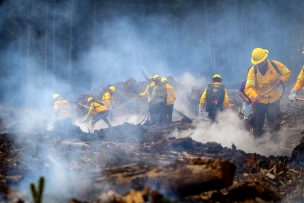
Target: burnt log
x,y
196,176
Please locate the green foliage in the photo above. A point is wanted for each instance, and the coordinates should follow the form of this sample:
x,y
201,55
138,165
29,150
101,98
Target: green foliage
x,y
37,192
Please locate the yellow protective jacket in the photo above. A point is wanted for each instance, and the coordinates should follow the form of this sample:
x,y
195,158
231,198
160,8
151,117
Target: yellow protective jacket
x,y
171,96
257,86
96,107
106,99
204,96
148,91
300,80
62,109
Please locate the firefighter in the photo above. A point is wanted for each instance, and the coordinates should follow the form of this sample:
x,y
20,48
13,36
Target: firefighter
x,y
214,97
100,109
297,86
147,93
62,110
171,97
158,102
148,90
262,87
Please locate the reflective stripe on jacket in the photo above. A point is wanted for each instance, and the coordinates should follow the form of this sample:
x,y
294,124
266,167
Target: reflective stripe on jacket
x,y
300,80
204,96
171,96
266,82
62,109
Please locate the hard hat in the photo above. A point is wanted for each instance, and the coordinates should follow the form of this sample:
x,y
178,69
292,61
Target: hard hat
x,y
217,76
164,79
259,55
156,77
90,99
56,96
112,88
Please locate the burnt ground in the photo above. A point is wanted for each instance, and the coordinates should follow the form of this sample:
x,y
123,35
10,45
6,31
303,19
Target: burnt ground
x,y
136,163
119,159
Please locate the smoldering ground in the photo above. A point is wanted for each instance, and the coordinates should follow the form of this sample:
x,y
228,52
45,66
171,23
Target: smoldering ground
x,y
54,47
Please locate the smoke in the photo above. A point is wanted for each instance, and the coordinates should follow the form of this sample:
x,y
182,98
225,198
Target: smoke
x,y
230,130
70,47
187,94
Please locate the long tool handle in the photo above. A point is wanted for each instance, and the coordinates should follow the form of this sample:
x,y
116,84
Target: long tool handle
x,y
299,99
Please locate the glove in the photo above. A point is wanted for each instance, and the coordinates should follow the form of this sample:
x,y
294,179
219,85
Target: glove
x,y
293,94
200,108
255,99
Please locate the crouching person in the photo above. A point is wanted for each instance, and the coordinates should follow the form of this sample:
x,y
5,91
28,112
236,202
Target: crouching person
x,y
158,102
99,110
214,97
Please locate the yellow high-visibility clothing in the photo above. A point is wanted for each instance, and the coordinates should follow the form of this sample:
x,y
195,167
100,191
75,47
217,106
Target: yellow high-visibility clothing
x,y
148,91
171,96
204,96
300,80
62,109
265,82
100,107
96,107
106,99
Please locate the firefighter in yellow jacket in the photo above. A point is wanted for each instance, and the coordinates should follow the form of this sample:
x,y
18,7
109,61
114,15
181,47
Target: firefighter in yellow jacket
x,y
100,109
171,97
298,86
148,92
262,87
214,97
62,110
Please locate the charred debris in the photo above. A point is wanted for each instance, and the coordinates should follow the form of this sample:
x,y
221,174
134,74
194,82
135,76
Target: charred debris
x,y
136,163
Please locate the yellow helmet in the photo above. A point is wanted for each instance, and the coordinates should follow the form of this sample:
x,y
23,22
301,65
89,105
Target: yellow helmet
x,y
112,88
56,96
258,55
156,77
217,76
90,99
164,79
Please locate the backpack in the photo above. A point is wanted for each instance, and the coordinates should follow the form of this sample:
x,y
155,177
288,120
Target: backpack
x,y
215,97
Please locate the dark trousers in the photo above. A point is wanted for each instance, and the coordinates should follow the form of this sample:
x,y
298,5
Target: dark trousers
x,y
212,114
271,112
157,113
168,113
101,115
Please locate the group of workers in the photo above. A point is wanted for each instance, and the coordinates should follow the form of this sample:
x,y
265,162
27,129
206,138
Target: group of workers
x,y
161,97
97,110
260,91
